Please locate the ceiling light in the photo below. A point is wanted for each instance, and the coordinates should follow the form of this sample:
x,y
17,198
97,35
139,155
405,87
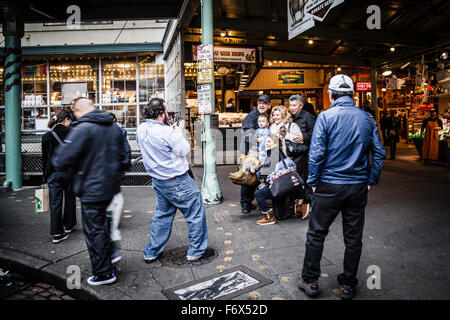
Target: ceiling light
x,y
384,89
223,34
392,49
387,73
310,41
339,69
444,55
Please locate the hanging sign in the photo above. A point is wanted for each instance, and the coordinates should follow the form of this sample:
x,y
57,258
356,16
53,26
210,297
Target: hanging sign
x,y
363,86
227,54
303,13
204,98
291,77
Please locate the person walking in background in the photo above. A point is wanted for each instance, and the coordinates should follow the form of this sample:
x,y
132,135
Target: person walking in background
x,y
342,140
164,151
95,150
392,128
62,198
249,126
305,121
383,124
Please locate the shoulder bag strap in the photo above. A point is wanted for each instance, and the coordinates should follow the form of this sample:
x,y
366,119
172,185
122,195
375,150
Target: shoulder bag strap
x,y
57,137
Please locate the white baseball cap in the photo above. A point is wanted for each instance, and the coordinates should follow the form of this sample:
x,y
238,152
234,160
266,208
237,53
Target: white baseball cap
x,y
341,83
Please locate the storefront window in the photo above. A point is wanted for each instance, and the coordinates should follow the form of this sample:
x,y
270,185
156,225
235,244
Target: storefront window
x,y
34,95
72,77
119,89
151,81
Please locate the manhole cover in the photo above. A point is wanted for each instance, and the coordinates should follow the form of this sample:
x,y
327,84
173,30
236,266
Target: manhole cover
x,y
177,258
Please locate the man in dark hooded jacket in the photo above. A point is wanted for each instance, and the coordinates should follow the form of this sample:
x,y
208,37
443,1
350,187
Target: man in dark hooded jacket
x,y
95,150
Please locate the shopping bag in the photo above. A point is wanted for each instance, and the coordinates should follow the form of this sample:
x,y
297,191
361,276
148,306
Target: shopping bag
x,y
42,201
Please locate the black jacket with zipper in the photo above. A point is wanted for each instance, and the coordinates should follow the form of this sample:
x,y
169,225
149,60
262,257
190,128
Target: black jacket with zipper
x,y
95,149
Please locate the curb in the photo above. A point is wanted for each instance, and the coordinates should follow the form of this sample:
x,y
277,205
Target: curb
x,y
33,269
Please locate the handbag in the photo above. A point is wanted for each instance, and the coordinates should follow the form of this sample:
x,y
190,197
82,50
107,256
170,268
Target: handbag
x,y
286,182
293,149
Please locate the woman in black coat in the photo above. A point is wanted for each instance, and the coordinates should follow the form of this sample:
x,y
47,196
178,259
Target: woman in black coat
x,y
59,183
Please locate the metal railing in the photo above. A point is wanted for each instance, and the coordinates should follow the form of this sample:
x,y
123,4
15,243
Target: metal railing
x,y
32,158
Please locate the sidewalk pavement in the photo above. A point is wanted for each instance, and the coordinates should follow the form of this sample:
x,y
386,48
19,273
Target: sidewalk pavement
x,y
407,233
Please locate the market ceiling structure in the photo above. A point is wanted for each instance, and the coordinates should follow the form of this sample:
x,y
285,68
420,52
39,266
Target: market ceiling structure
x,y
411,27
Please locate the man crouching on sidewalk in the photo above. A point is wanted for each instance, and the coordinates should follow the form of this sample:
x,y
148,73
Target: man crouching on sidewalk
x,y
345,160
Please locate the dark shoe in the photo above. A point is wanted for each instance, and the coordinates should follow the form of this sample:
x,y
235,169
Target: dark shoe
x,y
347,292
208,253
69,230
311,289
59,238
245,211
115,257
100,280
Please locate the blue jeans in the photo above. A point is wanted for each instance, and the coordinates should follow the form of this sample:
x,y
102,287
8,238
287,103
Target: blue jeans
x,y
261,196
180,193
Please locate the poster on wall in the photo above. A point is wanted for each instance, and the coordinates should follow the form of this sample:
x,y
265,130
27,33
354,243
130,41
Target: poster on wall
x,y
291,77
302,14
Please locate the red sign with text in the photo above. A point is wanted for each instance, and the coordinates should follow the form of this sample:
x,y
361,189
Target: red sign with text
x,y
363,86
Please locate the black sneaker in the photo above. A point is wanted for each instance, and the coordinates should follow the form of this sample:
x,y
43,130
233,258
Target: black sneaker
x,y
311,289
347,292
59,238
248,209
100,280
69,230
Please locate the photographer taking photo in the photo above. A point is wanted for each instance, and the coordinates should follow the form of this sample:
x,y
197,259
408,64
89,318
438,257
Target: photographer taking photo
x,y
164,149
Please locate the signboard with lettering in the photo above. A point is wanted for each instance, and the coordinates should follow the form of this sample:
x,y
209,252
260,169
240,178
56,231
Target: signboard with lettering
x,y
229,54
291,77
204,98
363,86
205,71
303,13
205,52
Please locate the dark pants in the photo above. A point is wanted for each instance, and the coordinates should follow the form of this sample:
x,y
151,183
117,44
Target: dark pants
x,y
302,169
97,235
247,195
327,202
61,194
261,196
393,145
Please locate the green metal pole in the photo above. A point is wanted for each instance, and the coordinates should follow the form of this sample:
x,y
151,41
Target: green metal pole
x,y
210,186
12,112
